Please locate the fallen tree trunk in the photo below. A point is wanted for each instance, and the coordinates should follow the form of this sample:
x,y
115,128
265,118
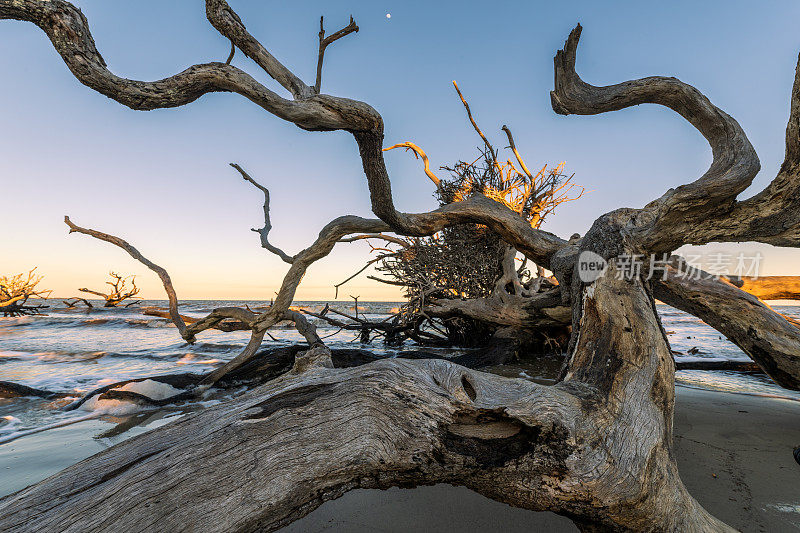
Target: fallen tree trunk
x,y
538,311
389,423
769,338
265,366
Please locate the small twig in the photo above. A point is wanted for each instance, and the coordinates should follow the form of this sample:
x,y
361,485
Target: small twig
x,y
342,313
362,269
419,154
388,281
382,236
516,153
332,334
475,125
230,56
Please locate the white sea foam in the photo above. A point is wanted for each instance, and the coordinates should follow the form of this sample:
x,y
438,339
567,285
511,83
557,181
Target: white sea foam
x,y
10,425
191,359
109,407
151,388
4,438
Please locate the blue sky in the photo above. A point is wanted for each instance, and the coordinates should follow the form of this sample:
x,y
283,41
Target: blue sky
x,y
161,178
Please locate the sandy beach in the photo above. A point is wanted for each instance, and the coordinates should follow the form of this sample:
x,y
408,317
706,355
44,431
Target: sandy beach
x,y
734,452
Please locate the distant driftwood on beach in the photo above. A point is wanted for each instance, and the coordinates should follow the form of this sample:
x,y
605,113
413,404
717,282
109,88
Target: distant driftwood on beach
x,y
770,287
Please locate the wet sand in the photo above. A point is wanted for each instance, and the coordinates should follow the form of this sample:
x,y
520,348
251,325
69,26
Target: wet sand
x,y
734,453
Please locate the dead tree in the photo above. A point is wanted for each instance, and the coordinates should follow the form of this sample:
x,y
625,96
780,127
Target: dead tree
x,y
15,291
442,273
596,447
119,292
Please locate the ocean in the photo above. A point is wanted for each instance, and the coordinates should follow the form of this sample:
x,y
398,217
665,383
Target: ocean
x,y
76,350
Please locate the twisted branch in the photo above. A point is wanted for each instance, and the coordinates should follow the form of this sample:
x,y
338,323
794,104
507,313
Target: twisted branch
x,y
162,274
419,153
264,232
735,162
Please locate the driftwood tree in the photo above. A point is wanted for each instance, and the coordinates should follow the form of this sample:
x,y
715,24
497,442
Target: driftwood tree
x,y
452,270
119,291
15,291
596,447
448,277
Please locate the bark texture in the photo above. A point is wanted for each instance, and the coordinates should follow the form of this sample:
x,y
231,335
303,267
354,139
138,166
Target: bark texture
x,y
397,423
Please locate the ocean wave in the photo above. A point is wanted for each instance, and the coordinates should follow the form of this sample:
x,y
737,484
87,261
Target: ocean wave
x,y
217,347
194,359
56,356
83,322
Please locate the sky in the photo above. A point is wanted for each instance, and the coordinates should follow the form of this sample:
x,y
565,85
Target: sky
x,y
161,180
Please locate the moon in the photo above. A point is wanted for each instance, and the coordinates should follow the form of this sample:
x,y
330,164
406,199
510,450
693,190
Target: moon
x,y
388,15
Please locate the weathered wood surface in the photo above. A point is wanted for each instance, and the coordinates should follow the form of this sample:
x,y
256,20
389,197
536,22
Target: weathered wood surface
x,y
265,459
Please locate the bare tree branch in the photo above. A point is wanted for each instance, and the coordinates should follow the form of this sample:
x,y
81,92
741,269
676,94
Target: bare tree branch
x,y
489,146
770,339
228,23
362,269
516,152
68,30
419,154
325,41
793,125
773,215
264,232
230,56
381,236
133,252
735,162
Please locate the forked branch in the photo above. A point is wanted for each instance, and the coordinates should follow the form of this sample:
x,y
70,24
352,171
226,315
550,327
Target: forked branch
x,y
325,41
228,23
